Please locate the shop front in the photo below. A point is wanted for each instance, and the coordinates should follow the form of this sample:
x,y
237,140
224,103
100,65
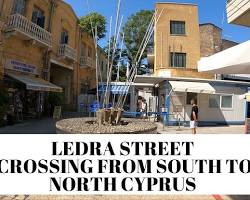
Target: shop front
x,y
26,90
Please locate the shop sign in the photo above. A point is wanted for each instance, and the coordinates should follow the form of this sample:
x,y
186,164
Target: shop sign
x,y
57,112
20,66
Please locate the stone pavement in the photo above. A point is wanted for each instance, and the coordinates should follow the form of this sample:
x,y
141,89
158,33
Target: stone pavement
x,y
33,126
124,197
47,126
233,129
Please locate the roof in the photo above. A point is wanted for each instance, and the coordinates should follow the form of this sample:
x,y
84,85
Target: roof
x,y
211,24
175,3
70,7
158,79
234,60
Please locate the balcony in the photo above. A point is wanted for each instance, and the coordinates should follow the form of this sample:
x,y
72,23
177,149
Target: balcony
x,y
238,12
151,56
28,30
87,62
67,52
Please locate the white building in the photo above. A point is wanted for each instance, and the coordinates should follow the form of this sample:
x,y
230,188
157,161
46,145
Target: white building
x,y
218,100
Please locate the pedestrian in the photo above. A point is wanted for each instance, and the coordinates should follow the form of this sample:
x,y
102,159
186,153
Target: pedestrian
x,y
144,108
194,116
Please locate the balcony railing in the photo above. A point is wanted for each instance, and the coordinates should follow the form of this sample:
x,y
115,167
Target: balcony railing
x,y
21,24
67,51
87,62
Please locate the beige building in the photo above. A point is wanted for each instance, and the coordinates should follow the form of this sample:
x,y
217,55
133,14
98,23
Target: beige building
x,y
176,41
238,12
43,49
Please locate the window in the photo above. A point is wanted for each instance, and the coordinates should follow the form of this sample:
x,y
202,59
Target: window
x,y
226,101
18,7
214,101
64,37
177,28
83,49
89,52
102,67
178,59
191,96
84,86
220,101
38,17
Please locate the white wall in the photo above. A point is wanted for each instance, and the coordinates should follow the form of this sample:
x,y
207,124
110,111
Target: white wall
x,y
236,114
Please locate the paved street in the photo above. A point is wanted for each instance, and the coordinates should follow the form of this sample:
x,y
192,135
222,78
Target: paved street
x,y
100,197
233,129
34,126
47,126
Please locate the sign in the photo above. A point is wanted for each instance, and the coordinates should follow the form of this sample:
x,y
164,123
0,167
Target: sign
x,y
94,106
20,66
81,106
248,97
159,164
57,112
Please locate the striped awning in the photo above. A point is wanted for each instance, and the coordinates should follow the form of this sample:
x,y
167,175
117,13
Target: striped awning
x,y
114,88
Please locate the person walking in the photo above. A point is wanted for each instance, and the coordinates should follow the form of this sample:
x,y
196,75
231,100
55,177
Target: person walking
x,y
194,116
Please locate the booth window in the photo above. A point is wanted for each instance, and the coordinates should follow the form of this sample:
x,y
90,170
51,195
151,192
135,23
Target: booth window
x,y
214,101
191,96
18,7
177,28
177,59
226,101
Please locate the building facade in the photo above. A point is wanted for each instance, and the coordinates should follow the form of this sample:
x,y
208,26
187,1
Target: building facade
x,y
211,41
179,43
42,50
176,41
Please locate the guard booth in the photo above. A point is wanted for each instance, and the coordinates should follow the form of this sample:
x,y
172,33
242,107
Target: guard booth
x,y
218,100
247,122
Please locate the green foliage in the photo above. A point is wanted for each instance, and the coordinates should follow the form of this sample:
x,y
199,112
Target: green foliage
x,y
4,103
97,20
55,99
135,29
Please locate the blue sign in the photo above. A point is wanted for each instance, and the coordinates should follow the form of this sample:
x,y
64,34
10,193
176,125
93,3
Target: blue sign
x,y
94,106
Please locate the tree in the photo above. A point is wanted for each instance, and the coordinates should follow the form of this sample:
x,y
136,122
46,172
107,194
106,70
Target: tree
x,y
135,30
123,59
97,20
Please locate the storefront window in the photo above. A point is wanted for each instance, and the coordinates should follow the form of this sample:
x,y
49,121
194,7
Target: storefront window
x,y
214,101
226,101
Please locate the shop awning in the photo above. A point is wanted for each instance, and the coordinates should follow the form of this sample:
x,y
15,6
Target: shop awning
x,y
235,60
36,84
195,87
115,89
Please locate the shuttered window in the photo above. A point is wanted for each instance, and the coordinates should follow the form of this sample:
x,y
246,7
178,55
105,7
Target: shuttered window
x,y
177,59
19,7
64,37
177,28
38,17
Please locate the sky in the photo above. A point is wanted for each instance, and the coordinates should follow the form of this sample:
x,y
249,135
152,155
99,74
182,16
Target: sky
x,y
210,11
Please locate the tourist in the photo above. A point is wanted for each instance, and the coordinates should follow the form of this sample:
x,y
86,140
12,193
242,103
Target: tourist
x,y
194,116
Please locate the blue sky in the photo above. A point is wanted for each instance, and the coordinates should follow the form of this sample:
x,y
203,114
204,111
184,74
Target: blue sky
x,y
213,11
